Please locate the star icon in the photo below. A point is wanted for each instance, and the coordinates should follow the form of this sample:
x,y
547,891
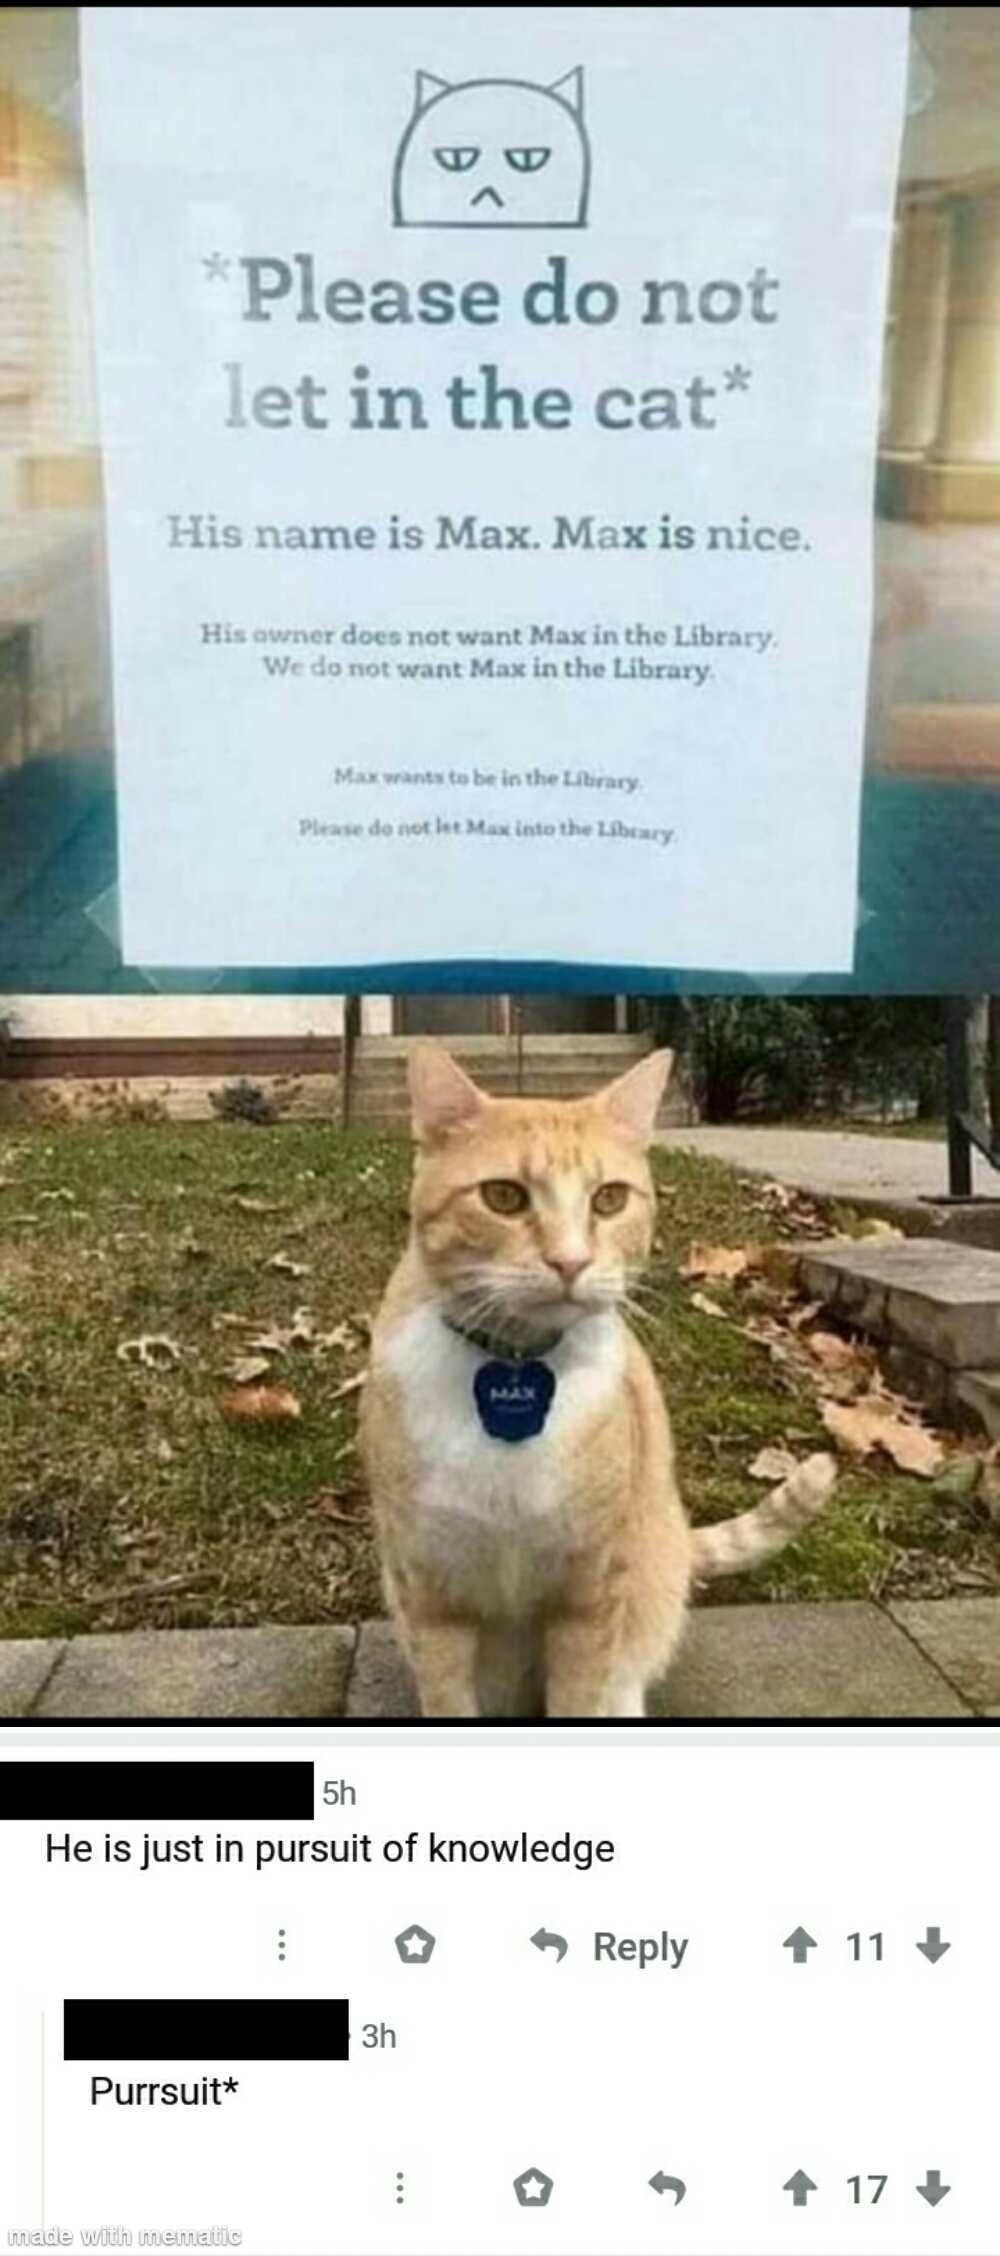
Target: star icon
x,y
533,2189
216,267
231,2084
737,378
415,1946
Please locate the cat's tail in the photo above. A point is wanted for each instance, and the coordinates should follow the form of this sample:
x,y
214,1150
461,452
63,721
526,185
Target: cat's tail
x,y
735,1544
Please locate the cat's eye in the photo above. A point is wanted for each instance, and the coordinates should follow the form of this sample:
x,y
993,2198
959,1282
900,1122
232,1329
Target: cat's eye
x,y
504,1196
609,1198
457,160
527,160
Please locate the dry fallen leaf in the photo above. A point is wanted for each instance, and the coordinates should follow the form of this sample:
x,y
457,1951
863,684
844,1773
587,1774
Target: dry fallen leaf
x,y
842,1386
715,1261
766,1193
834,1353
913,1449
860,1427
989,1492
772,1465
266,1404
326,1502
257,1205
153,1349
246,1368
349,1386
707,1307
288,1267
342,1336
856,1428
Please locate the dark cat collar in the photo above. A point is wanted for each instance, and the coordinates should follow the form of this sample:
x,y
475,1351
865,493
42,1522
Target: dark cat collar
x,y
504,1350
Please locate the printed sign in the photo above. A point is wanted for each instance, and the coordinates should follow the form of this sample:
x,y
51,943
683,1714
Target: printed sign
x,y
489,401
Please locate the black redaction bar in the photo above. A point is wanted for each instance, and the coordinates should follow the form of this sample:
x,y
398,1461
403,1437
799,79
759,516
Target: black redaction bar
x,y
205,2029
145,1790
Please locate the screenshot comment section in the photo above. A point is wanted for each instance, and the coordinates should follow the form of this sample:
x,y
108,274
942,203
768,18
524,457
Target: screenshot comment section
x,y
716,1993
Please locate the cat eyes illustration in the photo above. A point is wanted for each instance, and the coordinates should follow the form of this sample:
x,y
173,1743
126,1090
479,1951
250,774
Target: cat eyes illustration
x,y
493,152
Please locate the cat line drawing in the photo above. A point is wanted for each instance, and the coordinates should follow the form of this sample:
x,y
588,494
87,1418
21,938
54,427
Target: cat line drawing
x,y
536,1555
493,152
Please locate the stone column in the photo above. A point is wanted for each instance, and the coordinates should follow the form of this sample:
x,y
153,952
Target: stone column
x,y
919,328
969,428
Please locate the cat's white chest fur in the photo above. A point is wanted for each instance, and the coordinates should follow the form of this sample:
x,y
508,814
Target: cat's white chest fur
x,y
493,1514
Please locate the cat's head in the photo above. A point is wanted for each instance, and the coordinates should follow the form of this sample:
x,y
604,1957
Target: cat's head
x,y
531,1213
493,152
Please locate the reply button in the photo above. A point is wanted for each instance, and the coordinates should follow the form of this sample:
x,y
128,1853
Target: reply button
x,y
642,1950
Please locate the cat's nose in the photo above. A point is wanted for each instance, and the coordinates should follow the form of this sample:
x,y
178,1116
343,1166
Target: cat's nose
x,y
568,1267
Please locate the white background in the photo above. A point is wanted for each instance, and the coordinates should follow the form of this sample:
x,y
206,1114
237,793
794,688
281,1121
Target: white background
x,y
731,2073
724,139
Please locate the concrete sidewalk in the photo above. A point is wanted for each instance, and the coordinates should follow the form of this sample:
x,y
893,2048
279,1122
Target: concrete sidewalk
x,y
936,1658
831,1163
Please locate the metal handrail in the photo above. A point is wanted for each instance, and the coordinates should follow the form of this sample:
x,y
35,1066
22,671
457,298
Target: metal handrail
x,y
965,1131
348,1045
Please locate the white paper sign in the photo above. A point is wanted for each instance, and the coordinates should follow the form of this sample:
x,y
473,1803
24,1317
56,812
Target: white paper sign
x,y
489,402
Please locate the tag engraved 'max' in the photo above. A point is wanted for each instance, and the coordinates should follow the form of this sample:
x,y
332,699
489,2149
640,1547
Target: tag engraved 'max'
x,y
513,1399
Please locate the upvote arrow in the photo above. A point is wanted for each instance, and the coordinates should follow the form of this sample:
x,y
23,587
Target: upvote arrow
x,y
800,1944
932,1945
800,2187
662,2184
544,1941
932,2189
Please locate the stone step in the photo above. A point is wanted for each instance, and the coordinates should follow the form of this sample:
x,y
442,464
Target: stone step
x,y
537,1080
550,1066
392,1065
939,1299
499,1045
535,1077
979,1393
393,1120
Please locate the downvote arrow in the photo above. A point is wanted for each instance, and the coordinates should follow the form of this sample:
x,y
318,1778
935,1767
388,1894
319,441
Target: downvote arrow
x,y
544,1941
663,2184
932,1946
932,2189
800,2187
800,1944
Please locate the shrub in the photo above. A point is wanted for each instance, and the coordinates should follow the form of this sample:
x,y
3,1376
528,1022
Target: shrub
x,y
243,1100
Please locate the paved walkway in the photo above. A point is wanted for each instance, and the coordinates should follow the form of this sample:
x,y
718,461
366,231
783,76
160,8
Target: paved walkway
x,y
833,1164
936,1658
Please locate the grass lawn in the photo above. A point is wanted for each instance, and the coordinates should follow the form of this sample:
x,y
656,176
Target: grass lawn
x,y
127,1497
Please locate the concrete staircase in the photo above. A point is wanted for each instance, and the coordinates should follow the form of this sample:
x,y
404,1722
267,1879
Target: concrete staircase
x,y
551,1065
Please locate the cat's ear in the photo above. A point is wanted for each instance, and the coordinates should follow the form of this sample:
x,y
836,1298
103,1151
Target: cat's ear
x,y
441,1095
570,89
424,89
634,1101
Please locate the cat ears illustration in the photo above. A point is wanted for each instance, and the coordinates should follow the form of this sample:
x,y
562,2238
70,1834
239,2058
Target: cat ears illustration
x,y
493,152
427,87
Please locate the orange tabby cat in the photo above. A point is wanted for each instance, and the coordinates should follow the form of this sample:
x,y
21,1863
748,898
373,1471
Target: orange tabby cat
x,y
536,1554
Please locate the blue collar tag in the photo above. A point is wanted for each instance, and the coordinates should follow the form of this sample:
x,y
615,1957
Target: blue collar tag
x,y
513,1399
